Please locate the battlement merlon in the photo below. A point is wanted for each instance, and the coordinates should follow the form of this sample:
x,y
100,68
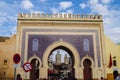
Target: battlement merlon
x,y
39,16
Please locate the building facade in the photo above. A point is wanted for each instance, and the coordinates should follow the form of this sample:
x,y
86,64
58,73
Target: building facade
x,y
81,36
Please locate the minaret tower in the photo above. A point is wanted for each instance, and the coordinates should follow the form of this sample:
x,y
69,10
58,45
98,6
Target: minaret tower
x,y
58,57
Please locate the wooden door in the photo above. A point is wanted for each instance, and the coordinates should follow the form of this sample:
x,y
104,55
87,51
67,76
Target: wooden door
x,y
87,70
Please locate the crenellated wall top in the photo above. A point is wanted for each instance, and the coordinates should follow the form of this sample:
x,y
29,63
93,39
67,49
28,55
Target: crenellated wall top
x,y
59,16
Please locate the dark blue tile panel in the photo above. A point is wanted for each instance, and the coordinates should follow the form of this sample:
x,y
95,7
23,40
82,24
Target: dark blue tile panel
x,y
76,40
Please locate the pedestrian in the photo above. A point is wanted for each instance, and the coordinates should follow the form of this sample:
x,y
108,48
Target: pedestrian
x,y
18,77
101,78
118,77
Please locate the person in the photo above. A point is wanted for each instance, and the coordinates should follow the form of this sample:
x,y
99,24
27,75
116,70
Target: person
x,y
101,78
118,77
18,77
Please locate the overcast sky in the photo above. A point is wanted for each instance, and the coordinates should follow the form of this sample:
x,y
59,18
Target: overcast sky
x,y
109,9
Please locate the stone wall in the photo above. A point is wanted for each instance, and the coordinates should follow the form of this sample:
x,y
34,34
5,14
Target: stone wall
x,y
7,50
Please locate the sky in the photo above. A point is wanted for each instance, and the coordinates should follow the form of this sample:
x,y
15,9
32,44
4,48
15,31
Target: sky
x,y
109,9
59,51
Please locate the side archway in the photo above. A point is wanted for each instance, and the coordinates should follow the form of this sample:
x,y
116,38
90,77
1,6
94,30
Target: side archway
x,y
87,64
35,71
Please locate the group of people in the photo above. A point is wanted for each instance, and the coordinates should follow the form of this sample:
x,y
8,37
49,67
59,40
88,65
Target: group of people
x,y
19,78
58,79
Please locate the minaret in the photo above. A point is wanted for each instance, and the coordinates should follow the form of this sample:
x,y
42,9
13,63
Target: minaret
x,y
66,59
58,57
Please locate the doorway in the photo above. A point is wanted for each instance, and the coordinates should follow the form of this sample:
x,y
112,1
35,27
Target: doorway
x,y
61,63
34,73
87,70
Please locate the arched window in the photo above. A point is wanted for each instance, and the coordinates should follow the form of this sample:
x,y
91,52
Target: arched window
x,y
35,44
86,45
5,62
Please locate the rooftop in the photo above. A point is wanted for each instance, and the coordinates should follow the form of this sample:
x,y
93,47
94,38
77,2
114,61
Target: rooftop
x,y
2,39
23,16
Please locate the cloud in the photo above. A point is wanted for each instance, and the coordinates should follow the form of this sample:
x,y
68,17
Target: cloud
x,y
114,36
83,5
42,0
111,17
6,14
65,5
106,1
57,11
6,23
54,10
36,11
115,30
8,17
2,18
26,4
70,11
98,8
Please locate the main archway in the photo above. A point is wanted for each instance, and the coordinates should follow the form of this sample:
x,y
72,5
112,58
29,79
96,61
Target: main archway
x,y
66,46
61,63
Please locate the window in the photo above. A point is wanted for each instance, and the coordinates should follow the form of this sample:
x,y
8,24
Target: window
x,y
5,62
86,46
35,44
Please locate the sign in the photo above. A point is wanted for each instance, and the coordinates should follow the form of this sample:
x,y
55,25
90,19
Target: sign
x,y
27,67
15,65
16,58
